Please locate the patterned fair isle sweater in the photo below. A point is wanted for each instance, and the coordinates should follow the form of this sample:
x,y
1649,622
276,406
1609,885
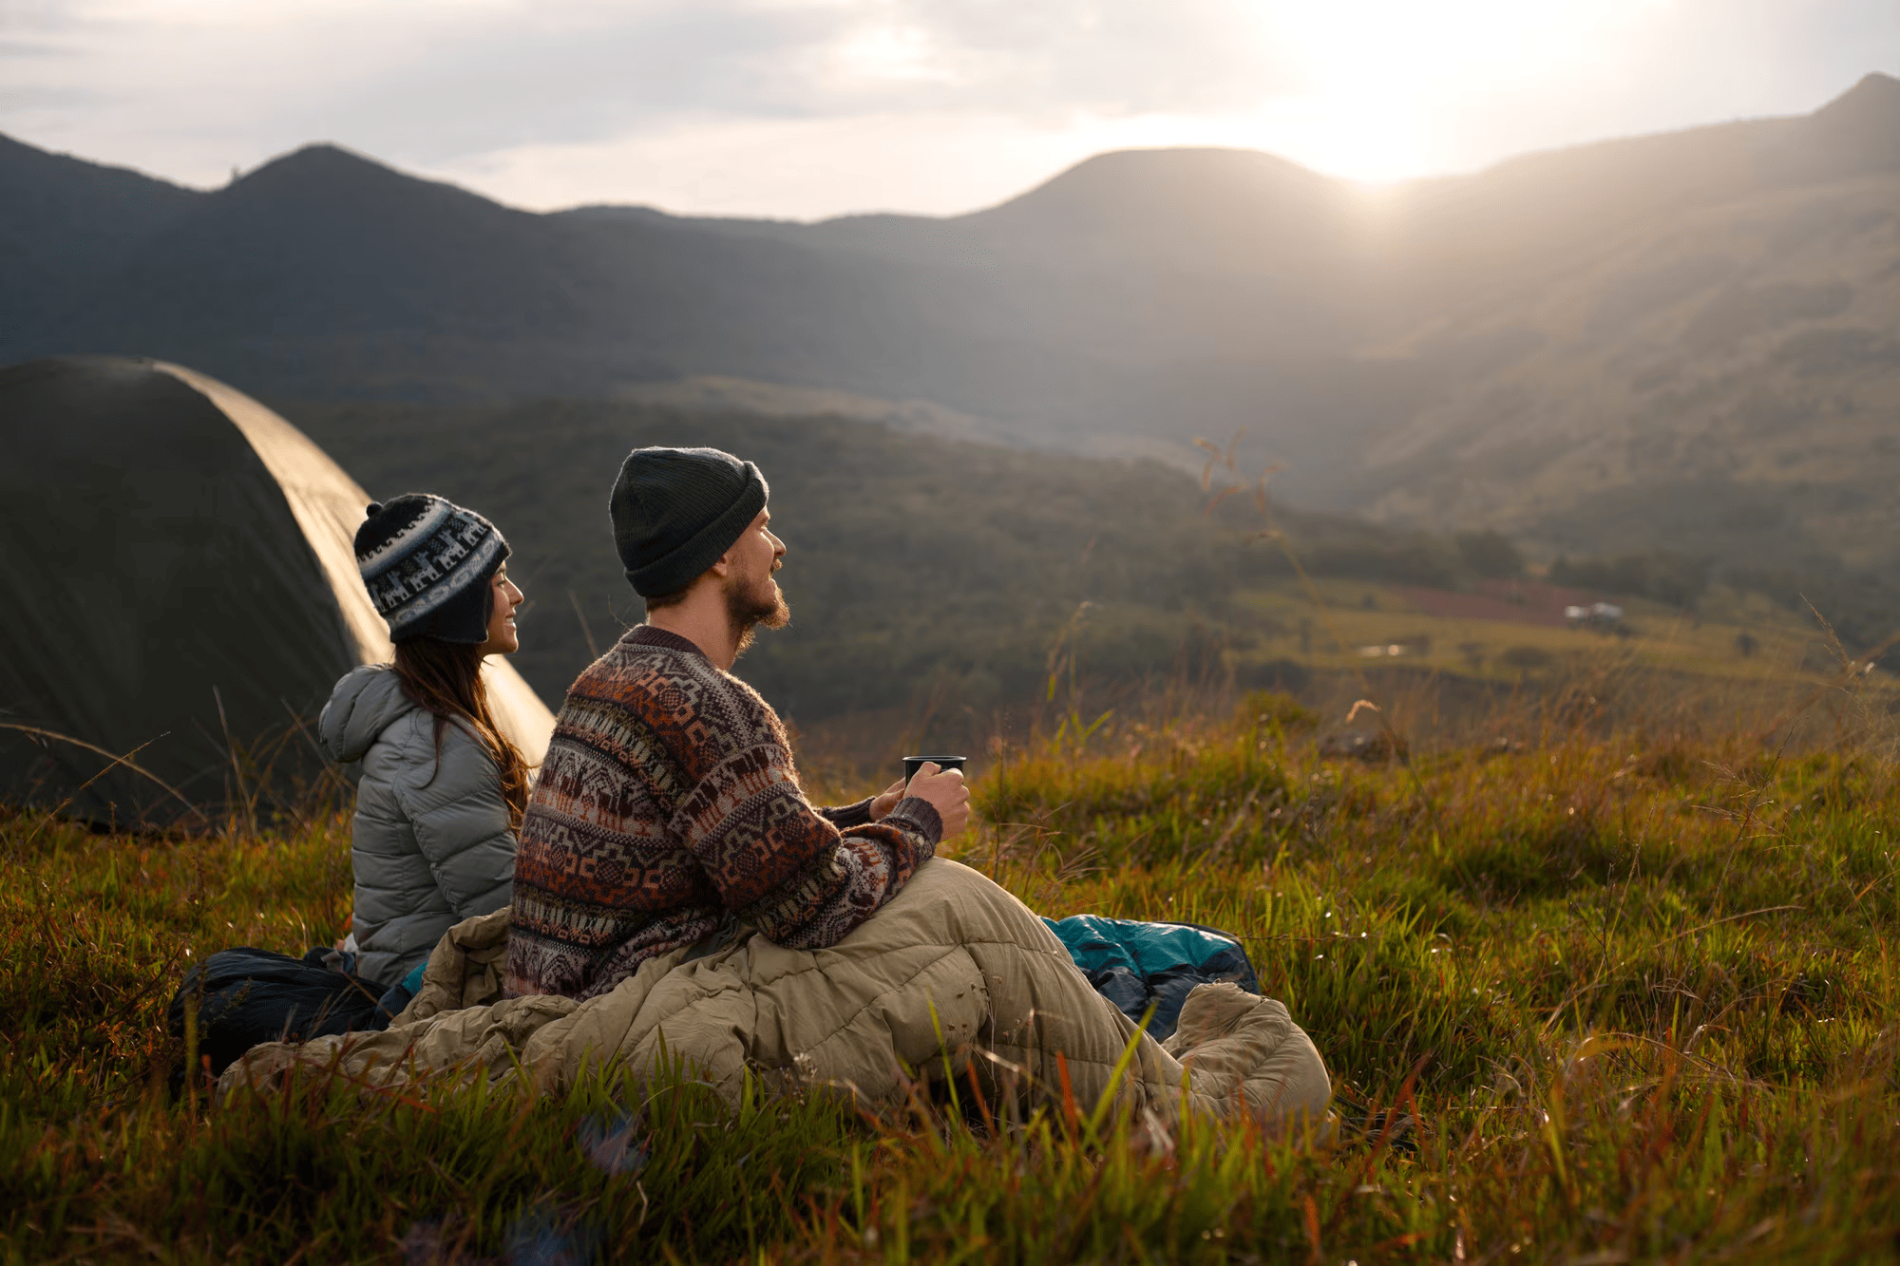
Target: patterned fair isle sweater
x,y
667,811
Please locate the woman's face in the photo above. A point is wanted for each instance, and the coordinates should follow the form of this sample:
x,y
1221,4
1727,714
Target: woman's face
x,y
502,639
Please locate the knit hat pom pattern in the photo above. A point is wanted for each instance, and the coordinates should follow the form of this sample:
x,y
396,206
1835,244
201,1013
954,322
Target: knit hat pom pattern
x,y
676,510
426,561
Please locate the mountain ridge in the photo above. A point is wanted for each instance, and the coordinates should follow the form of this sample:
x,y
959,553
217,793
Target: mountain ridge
x,y
1411,349
66,219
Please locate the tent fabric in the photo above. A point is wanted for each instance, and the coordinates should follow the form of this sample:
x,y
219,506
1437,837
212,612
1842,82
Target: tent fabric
x,y
182,594
953,974
1137,965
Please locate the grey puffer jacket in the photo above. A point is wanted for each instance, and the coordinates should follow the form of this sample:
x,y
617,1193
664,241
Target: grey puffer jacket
x,y
431,843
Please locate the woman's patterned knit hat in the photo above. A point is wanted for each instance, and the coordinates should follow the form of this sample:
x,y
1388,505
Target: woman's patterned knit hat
x,y
427,562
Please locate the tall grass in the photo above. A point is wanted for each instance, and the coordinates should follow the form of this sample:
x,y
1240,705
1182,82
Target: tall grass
x,y
1593,986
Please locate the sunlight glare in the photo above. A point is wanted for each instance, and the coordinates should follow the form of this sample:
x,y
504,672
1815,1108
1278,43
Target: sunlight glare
x,y
1378,81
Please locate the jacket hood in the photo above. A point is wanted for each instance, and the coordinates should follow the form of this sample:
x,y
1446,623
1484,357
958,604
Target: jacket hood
x,y
361,707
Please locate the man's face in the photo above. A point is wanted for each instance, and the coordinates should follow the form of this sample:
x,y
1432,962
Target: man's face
x,y
752,596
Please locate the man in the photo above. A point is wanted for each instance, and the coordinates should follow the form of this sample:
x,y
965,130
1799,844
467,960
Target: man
x,y
668,813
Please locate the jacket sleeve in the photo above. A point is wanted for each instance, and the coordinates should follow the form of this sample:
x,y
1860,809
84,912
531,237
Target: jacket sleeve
x,y
782,866
455,806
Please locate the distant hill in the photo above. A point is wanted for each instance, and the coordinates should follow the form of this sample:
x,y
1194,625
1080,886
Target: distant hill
x,y
943,582
1705,317
1723,373
1068,320
923,572
65,225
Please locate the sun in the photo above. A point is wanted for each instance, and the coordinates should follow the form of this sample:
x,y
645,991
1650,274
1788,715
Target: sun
x,y
1375,142
1381,89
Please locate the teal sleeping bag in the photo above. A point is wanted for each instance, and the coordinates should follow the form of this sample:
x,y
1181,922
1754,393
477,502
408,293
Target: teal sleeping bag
x,y
1138,965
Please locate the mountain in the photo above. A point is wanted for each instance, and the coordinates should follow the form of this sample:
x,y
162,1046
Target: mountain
x,y
323,273
1724,370
1705,309
65,222
927,573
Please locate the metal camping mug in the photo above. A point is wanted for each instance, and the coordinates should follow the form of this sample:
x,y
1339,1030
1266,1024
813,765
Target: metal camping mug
x,y
914,763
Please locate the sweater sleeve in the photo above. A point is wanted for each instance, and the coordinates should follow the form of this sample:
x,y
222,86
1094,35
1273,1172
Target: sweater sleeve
x,y
786,868
461,825
845,816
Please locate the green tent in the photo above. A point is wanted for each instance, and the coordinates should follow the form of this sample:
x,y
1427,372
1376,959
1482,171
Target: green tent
x,y
181,595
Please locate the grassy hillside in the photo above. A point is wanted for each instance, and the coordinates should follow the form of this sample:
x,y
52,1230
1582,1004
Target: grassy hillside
x,y
923,572
1621,993
1513,631
941,583
1728,372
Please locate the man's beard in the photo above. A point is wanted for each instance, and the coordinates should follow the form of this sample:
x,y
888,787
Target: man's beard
x,y
747,608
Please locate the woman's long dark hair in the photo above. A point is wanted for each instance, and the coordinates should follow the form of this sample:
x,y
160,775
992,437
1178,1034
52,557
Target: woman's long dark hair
x,y
445,678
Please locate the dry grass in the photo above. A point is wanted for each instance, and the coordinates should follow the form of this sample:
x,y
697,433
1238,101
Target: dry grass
x,y
1621,984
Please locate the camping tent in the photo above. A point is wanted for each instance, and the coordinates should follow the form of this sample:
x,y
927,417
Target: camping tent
x,y
181,595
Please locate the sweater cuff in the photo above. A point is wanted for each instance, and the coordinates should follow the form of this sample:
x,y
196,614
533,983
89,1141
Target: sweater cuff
x,y
921,816
845,816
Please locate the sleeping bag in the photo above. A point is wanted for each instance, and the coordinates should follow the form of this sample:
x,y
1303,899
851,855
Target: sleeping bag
x,y
953,976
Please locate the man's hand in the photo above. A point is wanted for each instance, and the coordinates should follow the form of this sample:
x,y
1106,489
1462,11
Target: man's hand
x,y
887,800
945,791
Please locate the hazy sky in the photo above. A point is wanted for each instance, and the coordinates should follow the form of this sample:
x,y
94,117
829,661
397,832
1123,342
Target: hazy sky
x,y
806,108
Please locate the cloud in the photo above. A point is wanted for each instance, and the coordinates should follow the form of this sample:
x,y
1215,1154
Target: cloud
x,y
816,105
434,82
812,168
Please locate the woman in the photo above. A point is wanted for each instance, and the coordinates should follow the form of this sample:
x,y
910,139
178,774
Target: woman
x,y
440,791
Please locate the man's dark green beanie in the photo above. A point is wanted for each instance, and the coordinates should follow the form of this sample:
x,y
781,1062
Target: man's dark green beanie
x,y
676,510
